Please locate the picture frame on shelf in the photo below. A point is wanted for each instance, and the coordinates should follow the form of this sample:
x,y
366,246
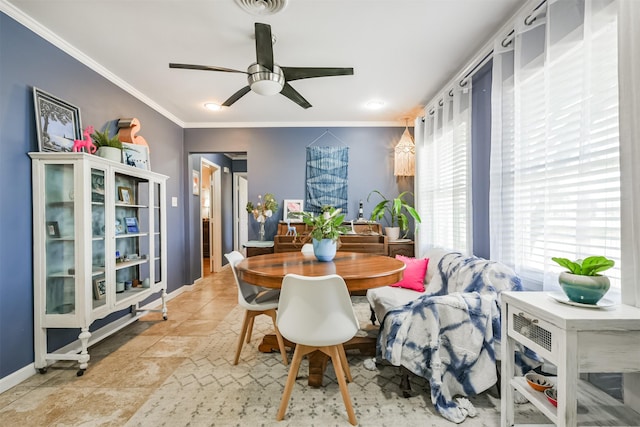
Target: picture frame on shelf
x,y
97,186
195,182
136,155
131,224
57,122
99,288
52,229
125,195
291,207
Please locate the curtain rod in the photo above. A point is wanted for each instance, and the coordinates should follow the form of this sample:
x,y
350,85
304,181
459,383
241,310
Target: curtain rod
x,y
527,21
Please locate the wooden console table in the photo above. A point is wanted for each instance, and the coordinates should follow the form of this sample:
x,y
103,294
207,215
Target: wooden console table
x,y
574,339
258,247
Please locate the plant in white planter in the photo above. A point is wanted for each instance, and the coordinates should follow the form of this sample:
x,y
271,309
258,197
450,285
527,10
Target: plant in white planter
x,y
397,219
108,147
582,283
326,229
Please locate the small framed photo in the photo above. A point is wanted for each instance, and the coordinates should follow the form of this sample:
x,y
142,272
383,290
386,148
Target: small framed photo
x,y
290,208
125,195
195,182
97,186
99,288
131,223
52,229
57,122
136,155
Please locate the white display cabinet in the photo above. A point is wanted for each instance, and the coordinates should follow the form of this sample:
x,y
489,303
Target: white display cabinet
x,y
99,246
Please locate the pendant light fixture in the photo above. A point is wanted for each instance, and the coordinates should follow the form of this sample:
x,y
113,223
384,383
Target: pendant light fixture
x,y
405,155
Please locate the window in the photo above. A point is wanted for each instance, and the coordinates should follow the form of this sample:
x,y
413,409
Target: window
x,y
443,180
555,177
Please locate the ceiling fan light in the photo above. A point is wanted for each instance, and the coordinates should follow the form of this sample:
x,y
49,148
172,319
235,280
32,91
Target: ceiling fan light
x,y
264,82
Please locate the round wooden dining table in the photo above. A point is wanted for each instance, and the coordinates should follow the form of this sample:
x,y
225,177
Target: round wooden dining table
x,y
360,272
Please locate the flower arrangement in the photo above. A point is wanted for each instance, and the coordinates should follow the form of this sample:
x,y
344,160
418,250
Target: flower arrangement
x,y
264,209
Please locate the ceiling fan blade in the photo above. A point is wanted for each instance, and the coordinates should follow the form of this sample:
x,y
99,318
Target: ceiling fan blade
x,y
264,45
293,95
298,73
239,94
205,68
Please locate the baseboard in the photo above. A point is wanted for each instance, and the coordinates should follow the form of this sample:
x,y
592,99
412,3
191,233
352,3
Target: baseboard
x,y
17,377
98,335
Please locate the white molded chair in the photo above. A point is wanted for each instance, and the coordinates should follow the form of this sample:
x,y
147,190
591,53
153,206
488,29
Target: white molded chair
x,y
307,248
256,300
316,313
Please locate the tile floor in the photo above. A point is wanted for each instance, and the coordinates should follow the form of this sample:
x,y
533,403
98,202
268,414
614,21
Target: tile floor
x,y
126,368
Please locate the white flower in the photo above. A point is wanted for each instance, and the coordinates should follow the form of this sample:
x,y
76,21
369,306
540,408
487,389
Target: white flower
x,y
268,213
261,218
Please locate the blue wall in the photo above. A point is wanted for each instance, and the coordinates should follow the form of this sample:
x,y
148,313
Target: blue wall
x,y
481,159
276,159
26,60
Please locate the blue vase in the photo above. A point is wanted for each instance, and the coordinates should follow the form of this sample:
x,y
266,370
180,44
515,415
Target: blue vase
x,y
325,249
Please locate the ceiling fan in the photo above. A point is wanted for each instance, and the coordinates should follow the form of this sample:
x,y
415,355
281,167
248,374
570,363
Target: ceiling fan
x,y
267,78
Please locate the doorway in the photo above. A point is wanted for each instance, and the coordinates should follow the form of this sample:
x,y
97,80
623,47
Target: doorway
x,y
240,214
210,217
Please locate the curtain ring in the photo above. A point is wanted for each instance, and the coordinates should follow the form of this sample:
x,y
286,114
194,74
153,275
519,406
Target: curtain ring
x,y
507,40
463,83
441,102
529,22
451,92
432,112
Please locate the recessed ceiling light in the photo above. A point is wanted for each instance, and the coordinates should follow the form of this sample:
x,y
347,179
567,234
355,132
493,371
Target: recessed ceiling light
x,y
375,104
212,106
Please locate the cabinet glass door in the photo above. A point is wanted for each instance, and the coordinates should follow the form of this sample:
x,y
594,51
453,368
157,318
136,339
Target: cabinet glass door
x,y
60,239
157,236
98,278
132,235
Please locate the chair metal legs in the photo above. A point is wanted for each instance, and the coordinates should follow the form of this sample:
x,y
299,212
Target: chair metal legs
x,y
247,327
340,366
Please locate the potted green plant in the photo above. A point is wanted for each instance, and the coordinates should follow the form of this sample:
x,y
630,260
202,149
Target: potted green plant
x,y
396,218
108,147
326,229
582,283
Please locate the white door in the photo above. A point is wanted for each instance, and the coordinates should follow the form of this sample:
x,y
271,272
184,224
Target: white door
x,y
242,217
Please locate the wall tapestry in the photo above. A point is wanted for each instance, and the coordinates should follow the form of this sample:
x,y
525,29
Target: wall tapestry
x,y
326,178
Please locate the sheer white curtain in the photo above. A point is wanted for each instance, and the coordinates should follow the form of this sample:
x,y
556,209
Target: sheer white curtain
x,y
443,183
555,187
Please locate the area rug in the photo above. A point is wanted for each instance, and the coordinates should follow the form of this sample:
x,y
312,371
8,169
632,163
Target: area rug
x,y
207,390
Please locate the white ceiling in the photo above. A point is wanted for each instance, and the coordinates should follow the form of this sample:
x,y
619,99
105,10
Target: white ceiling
x,y
402,52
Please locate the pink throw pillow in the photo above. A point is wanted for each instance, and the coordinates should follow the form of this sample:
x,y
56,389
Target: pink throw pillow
x,y
413,277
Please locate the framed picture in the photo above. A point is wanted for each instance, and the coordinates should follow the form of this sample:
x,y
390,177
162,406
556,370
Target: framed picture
x,y
52,229
125,195
99,288
195,181
136,155
97,186
57,122
132,225
291,206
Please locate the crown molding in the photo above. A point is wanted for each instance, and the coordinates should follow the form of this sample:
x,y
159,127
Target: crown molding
x,y
75,53
209,125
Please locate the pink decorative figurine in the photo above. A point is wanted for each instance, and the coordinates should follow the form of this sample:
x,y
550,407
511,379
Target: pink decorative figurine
x,y
86,143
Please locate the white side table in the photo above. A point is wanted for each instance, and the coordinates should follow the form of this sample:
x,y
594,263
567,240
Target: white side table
x,y
576,340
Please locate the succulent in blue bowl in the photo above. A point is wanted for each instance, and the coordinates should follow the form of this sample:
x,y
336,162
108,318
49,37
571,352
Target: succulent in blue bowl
x,y
582,283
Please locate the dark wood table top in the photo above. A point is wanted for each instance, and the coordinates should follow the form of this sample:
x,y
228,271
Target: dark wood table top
x,y
360,271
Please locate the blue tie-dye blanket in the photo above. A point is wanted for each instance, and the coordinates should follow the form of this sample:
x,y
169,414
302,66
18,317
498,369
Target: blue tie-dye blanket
x,y
447,335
